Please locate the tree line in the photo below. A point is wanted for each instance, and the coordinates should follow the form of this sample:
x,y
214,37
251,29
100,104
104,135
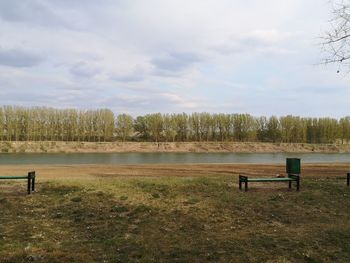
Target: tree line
x,y
49,124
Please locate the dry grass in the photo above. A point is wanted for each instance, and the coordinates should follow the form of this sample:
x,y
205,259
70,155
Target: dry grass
x,y
103,147
85,172
174,213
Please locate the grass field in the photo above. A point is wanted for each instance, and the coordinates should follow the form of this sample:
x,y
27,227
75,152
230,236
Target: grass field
x,y
174,213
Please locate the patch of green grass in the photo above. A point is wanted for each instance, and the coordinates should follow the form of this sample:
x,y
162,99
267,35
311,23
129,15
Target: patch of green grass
x,y
175,219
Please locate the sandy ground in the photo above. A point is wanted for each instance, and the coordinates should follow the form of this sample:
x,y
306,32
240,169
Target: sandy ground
x,y
86,172
108,147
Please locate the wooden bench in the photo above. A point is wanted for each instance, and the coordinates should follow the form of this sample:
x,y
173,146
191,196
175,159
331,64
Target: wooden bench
x,y
291,178
30,180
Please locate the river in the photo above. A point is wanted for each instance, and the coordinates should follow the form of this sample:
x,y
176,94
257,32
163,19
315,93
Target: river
x,y
162,158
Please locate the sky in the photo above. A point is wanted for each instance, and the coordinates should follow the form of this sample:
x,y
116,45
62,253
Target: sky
x,y
139,57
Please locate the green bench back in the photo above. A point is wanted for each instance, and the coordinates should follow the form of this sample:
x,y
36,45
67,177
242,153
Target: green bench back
x,y
293,166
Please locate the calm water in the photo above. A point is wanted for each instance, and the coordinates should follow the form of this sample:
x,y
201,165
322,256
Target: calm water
x,y
149,158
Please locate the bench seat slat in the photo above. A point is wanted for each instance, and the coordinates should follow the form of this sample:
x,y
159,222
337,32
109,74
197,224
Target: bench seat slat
x,y
13,177
291,178
270,179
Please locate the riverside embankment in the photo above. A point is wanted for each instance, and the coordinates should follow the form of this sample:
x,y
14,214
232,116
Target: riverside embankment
x,y
213,147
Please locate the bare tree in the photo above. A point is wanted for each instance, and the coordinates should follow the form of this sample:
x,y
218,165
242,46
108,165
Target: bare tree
x,y
336,41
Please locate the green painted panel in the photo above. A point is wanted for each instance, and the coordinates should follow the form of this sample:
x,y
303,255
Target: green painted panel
x,y
293,166
270,179
13,177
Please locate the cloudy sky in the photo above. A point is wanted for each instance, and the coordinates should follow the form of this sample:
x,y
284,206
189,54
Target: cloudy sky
x,y
137,57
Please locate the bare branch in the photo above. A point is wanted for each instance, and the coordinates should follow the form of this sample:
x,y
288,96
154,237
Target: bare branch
x,y
336,42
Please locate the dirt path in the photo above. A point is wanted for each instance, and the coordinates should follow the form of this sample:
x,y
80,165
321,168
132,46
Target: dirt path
x,y
82,172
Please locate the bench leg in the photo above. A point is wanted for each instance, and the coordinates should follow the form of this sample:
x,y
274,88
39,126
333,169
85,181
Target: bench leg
x,y
240,185
290,184
298,184
348,179
246,186
29,183
33,183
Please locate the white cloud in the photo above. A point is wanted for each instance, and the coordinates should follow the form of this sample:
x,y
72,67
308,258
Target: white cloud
x,y
162,55
85,70
271,41
180,101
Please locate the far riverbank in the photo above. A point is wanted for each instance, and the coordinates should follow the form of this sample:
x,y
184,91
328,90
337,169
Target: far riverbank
x,y
174,147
